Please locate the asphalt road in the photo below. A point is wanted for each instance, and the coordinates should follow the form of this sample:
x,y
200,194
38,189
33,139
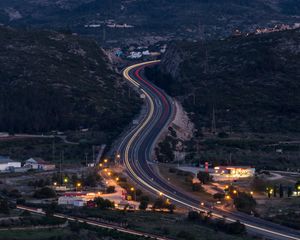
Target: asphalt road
x,y
136,152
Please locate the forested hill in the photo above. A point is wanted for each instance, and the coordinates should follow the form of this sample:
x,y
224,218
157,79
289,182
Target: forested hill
x,y
179,19
52,81
253,82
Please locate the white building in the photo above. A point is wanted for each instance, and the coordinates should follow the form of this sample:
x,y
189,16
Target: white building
x,y
39,164
6,164
225,173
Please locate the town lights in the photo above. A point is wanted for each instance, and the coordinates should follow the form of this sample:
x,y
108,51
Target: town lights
x,y
78,184
227,197
234,191
271,191
109,173
66,180
117,179
202,203
100,165
105,160
160,193
118,155
105,170
55,183
251,193
132,189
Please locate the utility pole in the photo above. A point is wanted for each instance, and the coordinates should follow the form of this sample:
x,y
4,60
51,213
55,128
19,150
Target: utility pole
x,y
86,155
60,166
104,34
213,122
53,150
93,153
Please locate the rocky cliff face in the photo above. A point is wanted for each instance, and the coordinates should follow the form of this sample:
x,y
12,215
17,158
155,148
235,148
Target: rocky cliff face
x,y
252,82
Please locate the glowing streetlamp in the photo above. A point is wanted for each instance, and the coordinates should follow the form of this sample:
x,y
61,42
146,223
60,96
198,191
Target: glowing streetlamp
x,y
133,191
105,160
78,185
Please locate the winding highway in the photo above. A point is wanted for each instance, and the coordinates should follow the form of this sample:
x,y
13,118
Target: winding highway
x,y
136,151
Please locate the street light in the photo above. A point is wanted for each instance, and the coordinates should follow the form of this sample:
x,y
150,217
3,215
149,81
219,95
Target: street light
x,y
234,191
109,173
133,191
55,183
66,180
160,193
105,160
100,165
117,179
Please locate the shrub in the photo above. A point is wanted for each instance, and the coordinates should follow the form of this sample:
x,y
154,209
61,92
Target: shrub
x,y
143,205
244,202
45,192
110,189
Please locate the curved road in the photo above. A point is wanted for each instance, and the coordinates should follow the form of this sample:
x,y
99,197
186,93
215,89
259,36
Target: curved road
x,y
136,152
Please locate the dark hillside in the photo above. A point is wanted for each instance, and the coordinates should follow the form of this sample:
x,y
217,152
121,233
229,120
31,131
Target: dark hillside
x,y
52,81
252,82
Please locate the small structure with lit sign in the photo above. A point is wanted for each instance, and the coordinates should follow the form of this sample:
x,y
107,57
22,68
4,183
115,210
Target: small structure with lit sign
x,y
223,173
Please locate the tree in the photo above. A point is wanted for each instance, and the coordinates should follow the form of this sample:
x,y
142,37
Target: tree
x,y
193,216
219,196
289,191
158,204
171,207
297,186
14,193
235,228
204,177
44,192
4,207
110,189
275,191
280,191
197,187
103,203
92,179
50,210
244,202
143,205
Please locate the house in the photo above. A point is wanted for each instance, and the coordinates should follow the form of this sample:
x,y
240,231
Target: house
x,y
7,164
39,164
